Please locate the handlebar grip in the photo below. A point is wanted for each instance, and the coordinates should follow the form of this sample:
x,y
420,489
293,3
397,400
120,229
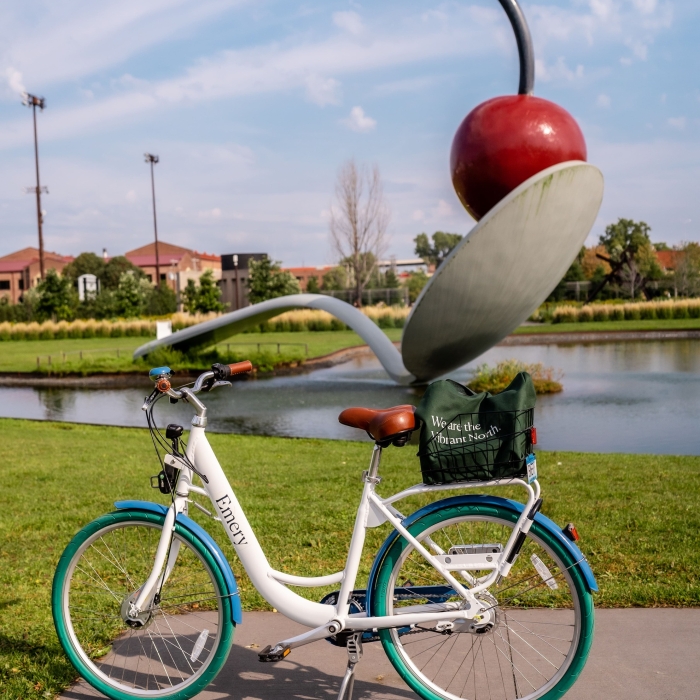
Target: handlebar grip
x,y
222,372
241,367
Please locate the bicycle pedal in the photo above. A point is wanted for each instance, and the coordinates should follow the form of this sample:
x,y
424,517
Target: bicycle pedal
x,y
276,653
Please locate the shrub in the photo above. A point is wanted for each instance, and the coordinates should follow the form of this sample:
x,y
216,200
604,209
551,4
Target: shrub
x,y
647,311
632,312
496,379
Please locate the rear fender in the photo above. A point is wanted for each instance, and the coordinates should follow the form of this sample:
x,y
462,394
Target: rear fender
x,y
193,528
476,500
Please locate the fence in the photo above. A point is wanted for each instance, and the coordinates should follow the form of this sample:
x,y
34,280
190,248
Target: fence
x,y
80,353
279,345
397,295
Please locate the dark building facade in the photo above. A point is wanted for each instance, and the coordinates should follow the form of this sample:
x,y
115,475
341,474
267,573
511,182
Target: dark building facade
x,y
234,276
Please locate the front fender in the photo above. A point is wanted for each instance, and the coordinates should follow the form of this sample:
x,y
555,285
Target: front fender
x,y
476,500
207,541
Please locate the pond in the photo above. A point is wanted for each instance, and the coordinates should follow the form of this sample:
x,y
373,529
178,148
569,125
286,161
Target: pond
x,y
638,397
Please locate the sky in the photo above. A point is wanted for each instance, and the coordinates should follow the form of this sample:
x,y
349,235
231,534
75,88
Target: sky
x,y
253,106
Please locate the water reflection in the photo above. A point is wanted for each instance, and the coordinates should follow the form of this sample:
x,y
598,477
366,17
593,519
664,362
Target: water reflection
x,y
641,397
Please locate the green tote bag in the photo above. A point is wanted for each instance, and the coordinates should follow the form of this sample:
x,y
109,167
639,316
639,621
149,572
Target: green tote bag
x,y
475,437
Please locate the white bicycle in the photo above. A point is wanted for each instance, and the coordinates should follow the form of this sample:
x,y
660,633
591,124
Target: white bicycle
x,y
472,596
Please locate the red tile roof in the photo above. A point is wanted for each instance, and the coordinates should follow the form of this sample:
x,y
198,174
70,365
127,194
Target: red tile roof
x,y
669,259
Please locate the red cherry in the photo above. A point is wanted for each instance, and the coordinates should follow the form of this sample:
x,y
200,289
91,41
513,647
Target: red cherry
x,y
506,140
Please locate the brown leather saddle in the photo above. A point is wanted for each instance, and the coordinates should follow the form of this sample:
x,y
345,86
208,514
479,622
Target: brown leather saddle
x,y
386,426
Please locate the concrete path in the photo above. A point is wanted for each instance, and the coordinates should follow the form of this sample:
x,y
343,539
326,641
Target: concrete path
x,y
637,655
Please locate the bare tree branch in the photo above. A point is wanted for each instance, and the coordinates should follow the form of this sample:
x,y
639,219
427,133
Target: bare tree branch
x,y
359,221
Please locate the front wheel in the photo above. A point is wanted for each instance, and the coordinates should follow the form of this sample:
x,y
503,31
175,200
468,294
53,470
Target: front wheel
x,y
178,645
538,635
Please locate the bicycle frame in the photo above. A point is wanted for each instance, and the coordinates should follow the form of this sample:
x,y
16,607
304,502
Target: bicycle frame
x,y
372,512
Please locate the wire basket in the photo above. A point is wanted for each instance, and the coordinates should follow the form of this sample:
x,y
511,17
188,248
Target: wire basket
x,y
478,447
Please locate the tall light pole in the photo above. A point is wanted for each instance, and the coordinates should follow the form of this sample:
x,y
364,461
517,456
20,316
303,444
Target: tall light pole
x,y
33,101
153,160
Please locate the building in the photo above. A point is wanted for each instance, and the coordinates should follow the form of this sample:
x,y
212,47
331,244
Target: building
x,y
234,278
669,259
20,271
177,264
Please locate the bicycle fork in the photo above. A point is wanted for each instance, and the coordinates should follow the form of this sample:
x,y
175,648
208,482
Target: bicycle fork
x,y
168,548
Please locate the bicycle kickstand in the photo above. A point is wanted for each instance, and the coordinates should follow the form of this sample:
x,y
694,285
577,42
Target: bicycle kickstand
x,y
354,646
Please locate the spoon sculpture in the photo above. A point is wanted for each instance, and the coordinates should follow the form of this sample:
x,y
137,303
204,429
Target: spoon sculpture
x,y
518,166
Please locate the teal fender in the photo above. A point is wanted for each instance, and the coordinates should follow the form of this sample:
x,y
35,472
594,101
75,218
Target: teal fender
x,y
475,500
206,539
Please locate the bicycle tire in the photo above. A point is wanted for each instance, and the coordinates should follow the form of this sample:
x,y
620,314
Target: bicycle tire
x,y
451,669
105,563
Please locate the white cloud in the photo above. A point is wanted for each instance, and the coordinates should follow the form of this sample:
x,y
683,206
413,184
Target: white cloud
x,y
443,209
418,215
406,85
359,121
14,80
603,100
677,122
646,7
131,196
67,41
214,213
557,71
322,91
349,21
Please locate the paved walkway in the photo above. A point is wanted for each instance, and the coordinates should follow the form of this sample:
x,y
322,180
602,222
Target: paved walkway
x,y
637,655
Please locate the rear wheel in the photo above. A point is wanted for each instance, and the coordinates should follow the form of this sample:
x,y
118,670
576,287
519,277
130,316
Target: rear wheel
x,y
535,638
176,647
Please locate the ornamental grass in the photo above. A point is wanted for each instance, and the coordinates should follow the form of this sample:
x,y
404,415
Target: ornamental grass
x,y
90,328
633,311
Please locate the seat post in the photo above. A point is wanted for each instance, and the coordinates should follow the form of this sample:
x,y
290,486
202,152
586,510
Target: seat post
x,y
374,461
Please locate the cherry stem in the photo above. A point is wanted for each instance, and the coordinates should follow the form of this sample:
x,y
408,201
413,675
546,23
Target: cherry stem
x,y
525,50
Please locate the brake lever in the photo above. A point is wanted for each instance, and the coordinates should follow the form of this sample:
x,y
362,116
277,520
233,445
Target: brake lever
x,y
221,383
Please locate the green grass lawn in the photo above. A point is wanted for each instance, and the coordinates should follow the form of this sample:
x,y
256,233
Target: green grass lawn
x,y
100,354
20,355
672,324
638,517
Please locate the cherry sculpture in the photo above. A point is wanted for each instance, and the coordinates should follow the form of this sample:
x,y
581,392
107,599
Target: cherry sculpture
x,y
506,140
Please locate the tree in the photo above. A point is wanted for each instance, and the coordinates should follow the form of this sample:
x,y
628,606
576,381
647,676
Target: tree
x,y
56,298
312,286
85,264
359,220
630,255
203,298
160,301
114,270
687,275
435,254
208,294
391,280
415,283
189,296
266,280
575,273
336,279
130,295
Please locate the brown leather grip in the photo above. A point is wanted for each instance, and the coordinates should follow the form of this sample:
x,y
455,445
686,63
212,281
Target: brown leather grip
x,y
241,367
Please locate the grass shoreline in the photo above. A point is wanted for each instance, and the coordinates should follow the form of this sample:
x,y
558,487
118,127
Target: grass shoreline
x,y
19,358
638,516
